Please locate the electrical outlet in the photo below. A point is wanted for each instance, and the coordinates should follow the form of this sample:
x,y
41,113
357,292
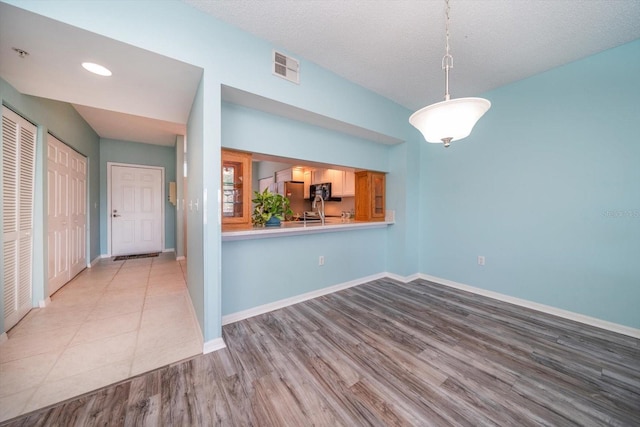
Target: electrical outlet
x,y
321,260
480,260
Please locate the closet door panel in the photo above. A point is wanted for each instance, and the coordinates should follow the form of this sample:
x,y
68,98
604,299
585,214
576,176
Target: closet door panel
x,y
18,167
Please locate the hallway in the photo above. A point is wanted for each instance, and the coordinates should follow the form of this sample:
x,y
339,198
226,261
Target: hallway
x,y
113,321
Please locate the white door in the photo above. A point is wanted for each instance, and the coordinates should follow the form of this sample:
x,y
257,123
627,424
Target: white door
x,y
77,214
57,214
66,213
18,168
136,210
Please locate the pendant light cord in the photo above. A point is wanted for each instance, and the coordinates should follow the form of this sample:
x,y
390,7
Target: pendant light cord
x,y
447,59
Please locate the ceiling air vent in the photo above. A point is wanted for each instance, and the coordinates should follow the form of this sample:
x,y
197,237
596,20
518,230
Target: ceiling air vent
x,y
286,67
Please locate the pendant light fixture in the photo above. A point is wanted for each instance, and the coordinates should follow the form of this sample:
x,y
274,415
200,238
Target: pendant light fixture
x,y
451,119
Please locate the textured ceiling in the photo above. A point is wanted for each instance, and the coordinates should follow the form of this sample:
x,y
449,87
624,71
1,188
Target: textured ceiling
x,y
395,47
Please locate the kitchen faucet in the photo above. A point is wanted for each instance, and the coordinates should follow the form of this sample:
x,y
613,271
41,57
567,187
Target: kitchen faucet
x,y
320,210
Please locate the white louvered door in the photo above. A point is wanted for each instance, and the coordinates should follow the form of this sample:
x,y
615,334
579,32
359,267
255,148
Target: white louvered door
x,y
66,213
18,168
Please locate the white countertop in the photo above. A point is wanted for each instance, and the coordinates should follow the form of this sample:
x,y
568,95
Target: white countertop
x,y
296,228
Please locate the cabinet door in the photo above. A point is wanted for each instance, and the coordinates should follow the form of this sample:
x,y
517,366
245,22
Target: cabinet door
x,y
336,179
363,196
378,196
370,196
236,187
307,183
284,175
265,183
349,186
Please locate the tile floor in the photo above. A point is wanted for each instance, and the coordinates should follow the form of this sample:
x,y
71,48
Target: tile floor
x,y
113,321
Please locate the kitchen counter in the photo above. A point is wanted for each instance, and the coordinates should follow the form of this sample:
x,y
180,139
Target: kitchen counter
x,y
296,228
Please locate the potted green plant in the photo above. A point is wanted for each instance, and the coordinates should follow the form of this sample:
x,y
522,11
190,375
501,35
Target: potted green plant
x,y
269,208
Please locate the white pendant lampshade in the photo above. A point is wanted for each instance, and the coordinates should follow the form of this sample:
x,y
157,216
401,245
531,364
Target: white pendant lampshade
x,y
449,120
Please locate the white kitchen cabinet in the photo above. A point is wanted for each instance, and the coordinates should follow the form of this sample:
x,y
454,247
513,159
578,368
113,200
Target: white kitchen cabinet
x,y
265,183
336,178
307,182
342,183
349,186
291,174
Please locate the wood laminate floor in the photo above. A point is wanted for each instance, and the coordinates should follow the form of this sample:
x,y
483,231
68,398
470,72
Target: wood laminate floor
x,y
384,353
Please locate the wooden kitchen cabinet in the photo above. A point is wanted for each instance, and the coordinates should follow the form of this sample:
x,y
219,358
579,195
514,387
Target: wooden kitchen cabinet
x,y
236,188
370,196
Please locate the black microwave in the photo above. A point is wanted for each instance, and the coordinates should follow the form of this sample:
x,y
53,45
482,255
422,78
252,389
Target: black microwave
x,y
324,190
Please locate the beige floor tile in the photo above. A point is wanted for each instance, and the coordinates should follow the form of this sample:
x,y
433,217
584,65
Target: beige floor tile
x,y
115,308
166,278
127,284
102,323
153,360
171,304
166,288
14,404
79,301
50,318
153,339
22,374
92,355
123,294
37,342
66,388
100,329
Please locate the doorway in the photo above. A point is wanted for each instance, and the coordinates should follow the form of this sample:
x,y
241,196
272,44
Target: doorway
x,y
135,208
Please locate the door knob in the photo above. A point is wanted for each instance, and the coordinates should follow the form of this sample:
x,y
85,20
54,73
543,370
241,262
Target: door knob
x,y
115,215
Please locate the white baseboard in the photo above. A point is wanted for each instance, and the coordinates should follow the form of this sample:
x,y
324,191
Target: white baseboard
x,y
213,345
180,258
598,323
265,308
96,260
3,337
194,317
44,303
403,279
169,250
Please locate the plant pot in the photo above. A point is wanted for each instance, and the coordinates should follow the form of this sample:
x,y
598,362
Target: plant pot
x,y
273,222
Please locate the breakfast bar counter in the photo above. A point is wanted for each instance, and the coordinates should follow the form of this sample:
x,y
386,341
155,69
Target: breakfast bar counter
x,y
296,228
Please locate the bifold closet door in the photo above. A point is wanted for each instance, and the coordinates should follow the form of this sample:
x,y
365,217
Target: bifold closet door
x,y
66,213
18,168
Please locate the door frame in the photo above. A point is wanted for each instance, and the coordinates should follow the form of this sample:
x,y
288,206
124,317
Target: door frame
x,y
108,211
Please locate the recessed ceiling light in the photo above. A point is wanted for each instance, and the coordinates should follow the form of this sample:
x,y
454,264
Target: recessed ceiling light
x,y
96,69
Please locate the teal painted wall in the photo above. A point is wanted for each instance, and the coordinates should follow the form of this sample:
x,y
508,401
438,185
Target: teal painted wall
x,y
195,244
547,189
66,124
259,132
138,154
256,272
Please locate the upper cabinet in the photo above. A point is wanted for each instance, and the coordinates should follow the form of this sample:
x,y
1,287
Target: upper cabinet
x,y
236,188
342,182
370,196
292,174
